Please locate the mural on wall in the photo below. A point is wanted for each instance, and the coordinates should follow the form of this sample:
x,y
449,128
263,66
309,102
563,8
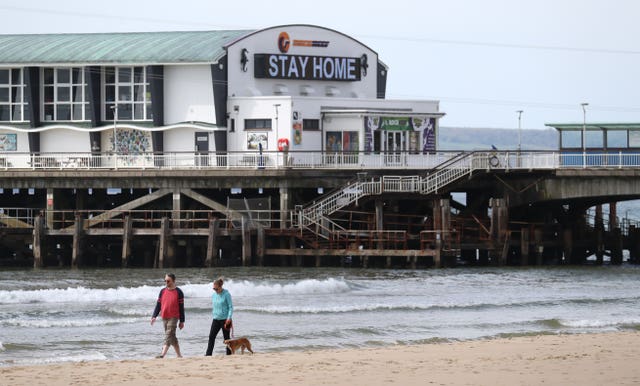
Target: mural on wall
x,y
370,125
8,142
132,141
254,140
428,128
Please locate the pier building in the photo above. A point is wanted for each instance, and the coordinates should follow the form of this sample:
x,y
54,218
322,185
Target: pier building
x,y
269,147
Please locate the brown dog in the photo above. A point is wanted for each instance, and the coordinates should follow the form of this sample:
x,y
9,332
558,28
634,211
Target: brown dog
x,y
240,343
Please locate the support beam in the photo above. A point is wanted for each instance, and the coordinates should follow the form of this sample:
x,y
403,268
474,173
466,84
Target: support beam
x,y
50,207
105,216
175,213
524,246
164,242
204,200
212,246
246,243
76,251
379,215
284,207
38,242
260,243
126,241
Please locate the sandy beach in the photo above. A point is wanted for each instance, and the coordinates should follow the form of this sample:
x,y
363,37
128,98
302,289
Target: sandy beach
x,y
585,359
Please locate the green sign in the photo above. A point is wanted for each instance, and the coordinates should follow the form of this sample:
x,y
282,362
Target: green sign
x,y
395,124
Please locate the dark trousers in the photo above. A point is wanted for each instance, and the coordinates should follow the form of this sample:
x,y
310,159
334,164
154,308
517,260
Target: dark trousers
x,y
216,325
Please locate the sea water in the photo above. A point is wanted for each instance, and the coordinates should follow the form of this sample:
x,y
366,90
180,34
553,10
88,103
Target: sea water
x,y
60,315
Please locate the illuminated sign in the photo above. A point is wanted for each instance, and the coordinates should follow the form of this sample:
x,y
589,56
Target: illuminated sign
x,y
305,67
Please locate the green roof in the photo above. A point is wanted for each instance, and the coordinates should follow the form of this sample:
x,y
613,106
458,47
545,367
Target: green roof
x,y
594,126
106,48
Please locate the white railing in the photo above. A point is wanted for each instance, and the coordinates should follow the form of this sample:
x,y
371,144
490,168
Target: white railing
x,y
506,160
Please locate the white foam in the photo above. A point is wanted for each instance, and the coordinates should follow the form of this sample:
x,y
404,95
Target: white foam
x,y
49,323
588,323
145,293
331,308
302,287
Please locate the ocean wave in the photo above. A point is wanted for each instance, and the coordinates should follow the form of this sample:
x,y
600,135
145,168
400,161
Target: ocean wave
x,y
145,293
588,323
89,356
78,294
50,323
301,287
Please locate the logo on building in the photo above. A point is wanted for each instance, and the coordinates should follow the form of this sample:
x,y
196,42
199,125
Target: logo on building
x,y
284,42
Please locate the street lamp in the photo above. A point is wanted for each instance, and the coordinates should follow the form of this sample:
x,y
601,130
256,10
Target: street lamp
x,y
584,125
584,133
519,130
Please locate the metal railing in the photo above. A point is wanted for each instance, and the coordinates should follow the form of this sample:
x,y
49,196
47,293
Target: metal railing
x,y
315,160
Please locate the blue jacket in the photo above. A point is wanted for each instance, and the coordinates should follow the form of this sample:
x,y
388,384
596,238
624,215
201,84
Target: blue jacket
x,y
222,306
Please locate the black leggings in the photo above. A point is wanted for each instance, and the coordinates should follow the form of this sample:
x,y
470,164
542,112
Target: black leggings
x,y
216,325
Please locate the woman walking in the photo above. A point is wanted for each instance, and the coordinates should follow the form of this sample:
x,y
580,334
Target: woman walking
x,y
222,313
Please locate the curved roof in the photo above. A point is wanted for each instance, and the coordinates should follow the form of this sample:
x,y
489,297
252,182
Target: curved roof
x,y
106,48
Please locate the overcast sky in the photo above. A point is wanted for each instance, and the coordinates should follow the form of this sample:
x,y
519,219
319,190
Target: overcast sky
x,y
483,60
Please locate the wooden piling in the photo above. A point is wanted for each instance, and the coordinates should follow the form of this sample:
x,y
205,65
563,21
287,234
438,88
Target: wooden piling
x,y
76,251
127,232
524,246
246,243
260,242
163,242
212,255
616,246
38,242
437,259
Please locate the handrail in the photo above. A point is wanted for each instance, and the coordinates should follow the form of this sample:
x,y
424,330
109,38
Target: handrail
x,y
357,161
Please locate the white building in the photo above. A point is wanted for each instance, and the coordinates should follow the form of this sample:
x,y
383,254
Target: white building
x,y
287,88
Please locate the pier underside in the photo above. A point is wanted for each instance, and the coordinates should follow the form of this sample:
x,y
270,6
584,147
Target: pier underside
x,y
487,219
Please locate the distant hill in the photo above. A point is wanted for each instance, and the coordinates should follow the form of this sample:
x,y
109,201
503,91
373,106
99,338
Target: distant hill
x,y
472,138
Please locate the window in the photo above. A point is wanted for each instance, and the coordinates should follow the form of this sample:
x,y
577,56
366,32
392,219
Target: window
x,y
595,139
232,126
311,124
257,124
127,90
12,103
571,139
65,94
617,139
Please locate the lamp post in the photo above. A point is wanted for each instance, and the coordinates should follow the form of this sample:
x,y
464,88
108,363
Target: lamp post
x,y
519,130
584,133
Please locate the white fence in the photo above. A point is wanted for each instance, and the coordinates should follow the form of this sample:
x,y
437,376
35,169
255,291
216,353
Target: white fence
x,y
315,160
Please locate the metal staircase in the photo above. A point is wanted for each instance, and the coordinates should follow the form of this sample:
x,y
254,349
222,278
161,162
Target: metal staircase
x,y
434,180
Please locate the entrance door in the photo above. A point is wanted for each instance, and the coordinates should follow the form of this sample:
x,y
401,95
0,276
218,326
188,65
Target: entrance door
x,y
202,149
395,147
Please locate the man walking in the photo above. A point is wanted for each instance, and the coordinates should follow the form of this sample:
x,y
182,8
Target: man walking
x,y
170,306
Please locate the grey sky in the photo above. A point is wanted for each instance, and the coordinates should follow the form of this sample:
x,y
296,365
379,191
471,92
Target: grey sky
x,y
482,59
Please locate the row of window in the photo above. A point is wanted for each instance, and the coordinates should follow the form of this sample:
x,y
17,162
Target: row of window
x,y
596,139
65,94
265,124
